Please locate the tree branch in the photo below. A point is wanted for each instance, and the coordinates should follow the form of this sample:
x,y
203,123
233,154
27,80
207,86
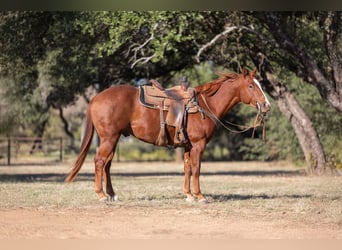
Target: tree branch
x,y
143,60
229,29
315,76
139,48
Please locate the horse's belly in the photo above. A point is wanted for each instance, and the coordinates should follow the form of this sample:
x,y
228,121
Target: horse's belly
x,y
145,124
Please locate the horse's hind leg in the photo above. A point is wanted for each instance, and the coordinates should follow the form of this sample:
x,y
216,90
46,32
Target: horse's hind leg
x,y
103,157
107,180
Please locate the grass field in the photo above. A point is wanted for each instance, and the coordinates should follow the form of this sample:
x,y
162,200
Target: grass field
x,y
271,195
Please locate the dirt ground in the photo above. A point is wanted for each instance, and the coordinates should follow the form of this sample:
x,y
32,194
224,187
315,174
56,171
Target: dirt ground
x,y
124,221
150,223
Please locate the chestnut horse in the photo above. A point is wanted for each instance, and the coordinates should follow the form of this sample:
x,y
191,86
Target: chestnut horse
x,y
117,111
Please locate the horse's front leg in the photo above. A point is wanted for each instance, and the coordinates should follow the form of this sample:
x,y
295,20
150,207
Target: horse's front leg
x,y
195,163
187,176
196,169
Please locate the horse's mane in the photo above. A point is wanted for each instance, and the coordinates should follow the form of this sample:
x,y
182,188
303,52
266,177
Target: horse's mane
x,y
212,87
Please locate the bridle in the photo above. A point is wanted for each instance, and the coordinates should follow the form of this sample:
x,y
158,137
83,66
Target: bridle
x,y
258,121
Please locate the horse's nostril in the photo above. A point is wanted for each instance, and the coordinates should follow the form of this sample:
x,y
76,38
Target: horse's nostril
x,y
267,106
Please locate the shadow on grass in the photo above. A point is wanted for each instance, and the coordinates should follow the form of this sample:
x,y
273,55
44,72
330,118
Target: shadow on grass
x,y
232,197
55,177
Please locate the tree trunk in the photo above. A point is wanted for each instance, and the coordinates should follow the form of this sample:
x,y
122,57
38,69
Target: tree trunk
x,y
303,127
39,131
67,130
305,131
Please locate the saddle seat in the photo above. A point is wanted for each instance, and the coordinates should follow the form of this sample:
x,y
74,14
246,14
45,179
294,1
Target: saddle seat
x,y
177,102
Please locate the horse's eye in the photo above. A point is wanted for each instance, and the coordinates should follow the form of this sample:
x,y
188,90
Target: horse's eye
x,y
250,86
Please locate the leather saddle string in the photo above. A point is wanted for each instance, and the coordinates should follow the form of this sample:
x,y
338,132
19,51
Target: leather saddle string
x,y
256,123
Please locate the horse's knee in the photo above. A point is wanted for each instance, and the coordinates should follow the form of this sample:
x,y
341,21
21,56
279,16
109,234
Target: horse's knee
x,y
195,172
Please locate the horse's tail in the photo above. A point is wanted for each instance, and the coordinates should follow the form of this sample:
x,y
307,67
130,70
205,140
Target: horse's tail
x,y
88,136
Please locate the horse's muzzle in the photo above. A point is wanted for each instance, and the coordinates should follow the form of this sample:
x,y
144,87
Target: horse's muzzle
x,y
263,108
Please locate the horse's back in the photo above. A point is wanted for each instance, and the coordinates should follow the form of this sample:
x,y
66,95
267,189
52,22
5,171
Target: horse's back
x,y
117,91
117,96
113,107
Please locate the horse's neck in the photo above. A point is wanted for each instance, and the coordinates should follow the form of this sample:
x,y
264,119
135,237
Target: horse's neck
x,y
224,99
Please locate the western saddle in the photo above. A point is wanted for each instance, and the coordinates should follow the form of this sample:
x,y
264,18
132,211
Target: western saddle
x,y
177,101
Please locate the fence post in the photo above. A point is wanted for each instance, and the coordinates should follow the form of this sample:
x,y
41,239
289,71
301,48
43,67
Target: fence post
x,y
61,149
8,151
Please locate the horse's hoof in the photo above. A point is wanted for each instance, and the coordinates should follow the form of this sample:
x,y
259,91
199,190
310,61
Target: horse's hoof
x,y
203,201
189,198
113,198
103,199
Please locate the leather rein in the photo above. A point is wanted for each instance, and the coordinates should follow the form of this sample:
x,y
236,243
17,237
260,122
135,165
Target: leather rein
x,y
258,121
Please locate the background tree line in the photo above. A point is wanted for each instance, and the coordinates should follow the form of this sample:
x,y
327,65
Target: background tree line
x,y
49,60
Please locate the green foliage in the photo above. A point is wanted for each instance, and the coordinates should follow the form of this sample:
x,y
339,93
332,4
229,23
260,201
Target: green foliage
x,y
49,59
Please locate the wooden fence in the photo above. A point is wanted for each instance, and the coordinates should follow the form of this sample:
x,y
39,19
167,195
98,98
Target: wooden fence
x,y
28,150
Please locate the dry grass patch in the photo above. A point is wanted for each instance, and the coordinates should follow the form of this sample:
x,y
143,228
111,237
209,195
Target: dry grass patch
x,y
263,193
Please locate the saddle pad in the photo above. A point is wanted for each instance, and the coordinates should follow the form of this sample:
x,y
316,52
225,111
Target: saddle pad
x,y
155,102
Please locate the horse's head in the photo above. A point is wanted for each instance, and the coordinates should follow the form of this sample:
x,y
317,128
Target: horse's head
x,y
252,93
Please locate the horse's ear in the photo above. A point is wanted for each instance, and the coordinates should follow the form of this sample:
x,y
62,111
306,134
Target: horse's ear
x,y
244,71
253,72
